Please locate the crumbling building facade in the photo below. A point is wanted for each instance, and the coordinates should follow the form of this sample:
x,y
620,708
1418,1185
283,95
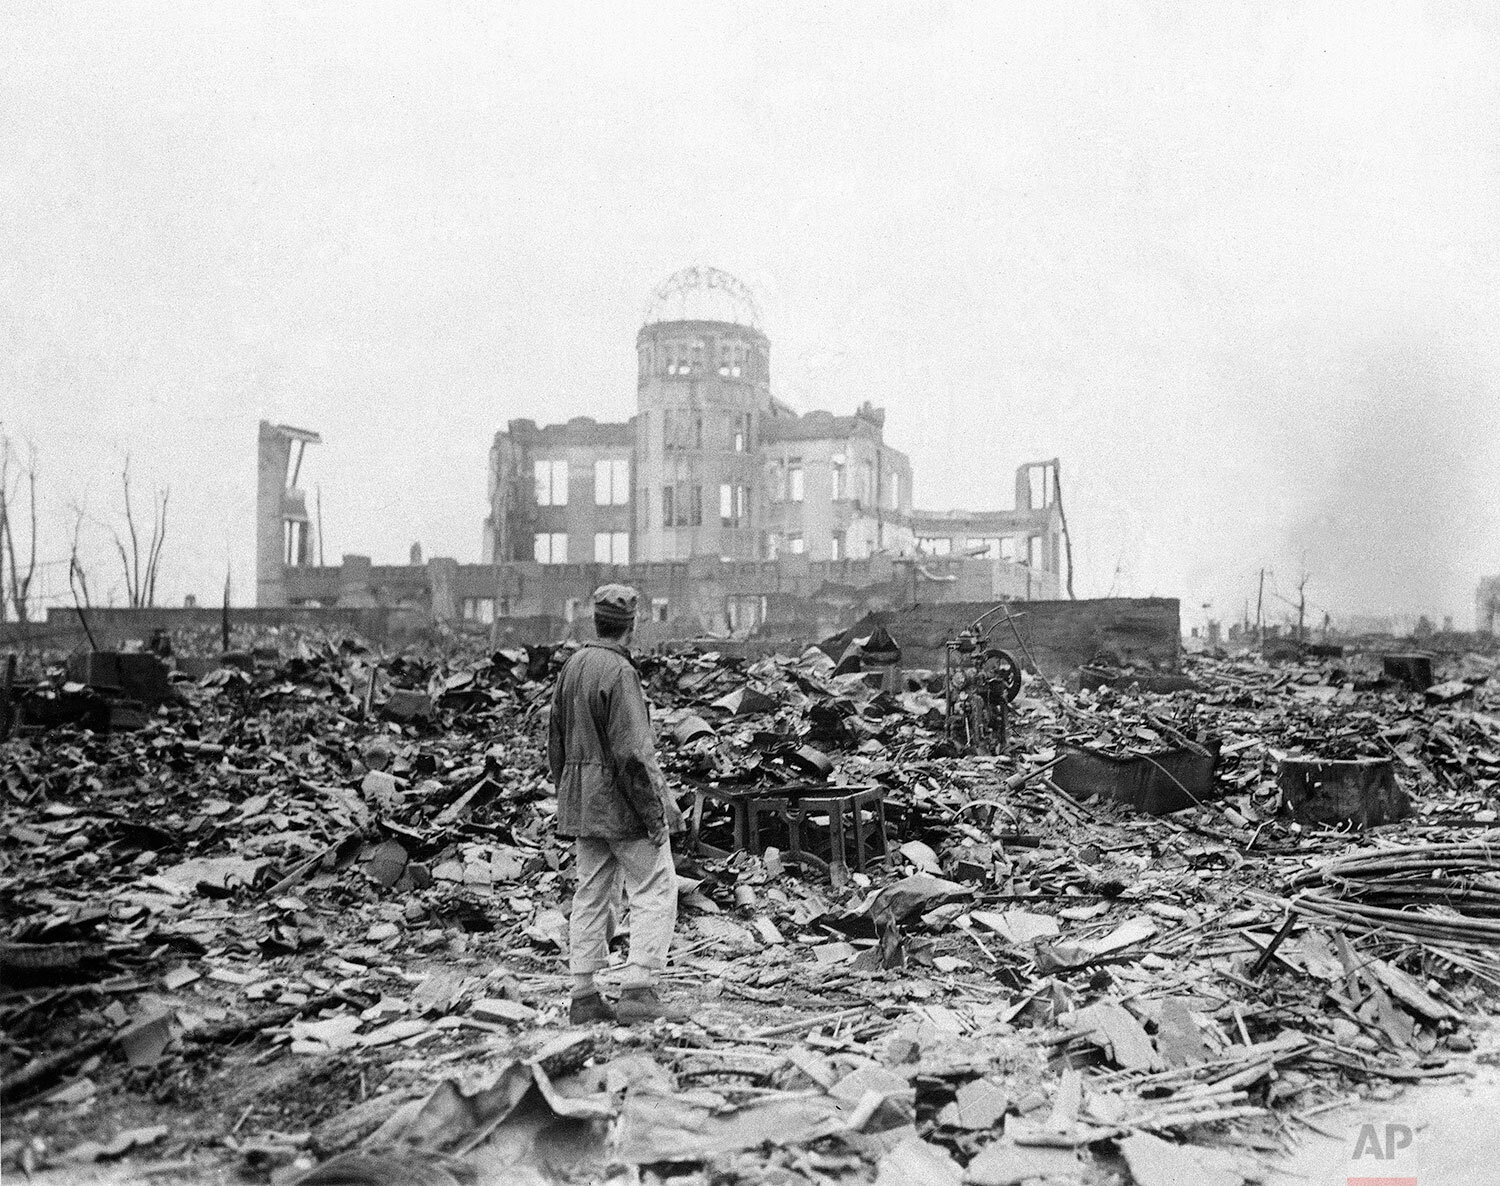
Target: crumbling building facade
x,y
712,464
283,530
729,510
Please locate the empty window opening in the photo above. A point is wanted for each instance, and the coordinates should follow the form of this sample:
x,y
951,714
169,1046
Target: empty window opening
x,y
296,543
733,505
550,547
732,356
1038,487
551,483
479,609
611,547
682,505
744,612
612,482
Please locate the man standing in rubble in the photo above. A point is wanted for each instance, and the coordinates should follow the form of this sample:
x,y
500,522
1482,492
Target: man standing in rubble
x,y
613,802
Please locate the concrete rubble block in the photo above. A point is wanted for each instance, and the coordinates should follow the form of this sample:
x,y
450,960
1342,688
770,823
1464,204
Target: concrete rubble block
x,y
195,667
1006,1163
1447,693
497,1010
382,791
386,862
125,716
406,707
1156,784
1359,791
1091,678
134,675
746,701
1414,670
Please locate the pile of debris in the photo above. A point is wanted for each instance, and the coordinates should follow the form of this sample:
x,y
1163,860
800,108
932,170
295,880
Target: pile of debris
x,y
309,914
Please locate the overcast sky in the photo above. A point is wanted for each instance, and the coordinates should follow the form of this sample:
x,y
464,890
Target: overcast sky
x,y
1238,265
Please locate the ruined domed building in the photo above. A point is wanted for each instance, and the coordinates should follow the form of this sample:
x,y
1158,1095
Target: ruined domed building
x,y
712,467
729,510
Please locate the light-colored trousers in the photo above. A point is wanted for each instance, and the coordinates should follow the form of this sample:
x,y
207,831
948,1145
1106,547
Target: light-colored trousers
x,y
650,883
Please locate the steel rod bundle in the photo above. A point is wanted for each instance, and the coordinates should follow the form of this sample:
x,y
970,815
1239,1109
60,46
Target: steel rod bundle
x,y
1472,856
1433,928
1366,889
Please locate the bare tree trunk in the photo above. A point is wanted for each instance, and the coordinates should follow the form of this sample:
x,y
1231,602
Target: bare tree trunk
x,y
135,547
140,580
78,582
158,538
18,591
6,547
1062,514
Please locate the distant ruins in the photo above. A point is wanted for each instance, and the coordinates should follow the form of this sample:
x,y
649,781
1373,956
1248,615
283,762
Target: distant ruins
x,y
730,512
1487,606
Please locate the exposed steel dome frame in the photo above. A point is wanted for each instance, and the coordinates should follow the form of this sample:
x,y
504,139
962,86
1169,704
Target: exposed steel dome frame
x,y
699,278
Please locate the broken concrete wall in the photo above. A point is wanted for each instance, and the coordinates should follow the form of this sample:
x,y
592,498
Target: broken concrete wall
x,y
799,597
112,628
1144,632
1487,606
283,529
1062,635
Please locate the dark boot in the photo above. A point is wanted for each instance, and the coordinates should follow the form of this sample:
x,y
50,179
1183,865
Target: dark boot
x,y
643,1004
589,1009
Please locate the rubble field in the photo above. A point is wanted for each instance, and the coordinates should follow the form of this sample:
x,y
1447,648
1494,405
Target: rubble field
x,y
308,923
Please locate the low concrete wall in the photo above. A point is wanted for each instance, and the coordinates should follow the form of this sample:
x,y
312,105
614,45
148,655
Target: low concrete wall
x,y
1061,636
111,627
810,597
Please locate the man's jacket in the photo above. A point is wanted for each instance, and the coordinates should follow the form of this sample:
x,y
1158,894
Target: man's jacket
x,y
600,749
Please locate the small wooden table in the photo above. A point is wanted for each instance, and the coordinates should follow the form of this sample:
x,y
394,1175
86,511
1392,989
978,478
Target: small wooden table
x,y
793,805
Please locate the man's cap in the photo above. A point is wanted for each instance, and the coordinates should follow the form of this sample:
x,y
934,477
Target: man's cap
x,y
614,605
